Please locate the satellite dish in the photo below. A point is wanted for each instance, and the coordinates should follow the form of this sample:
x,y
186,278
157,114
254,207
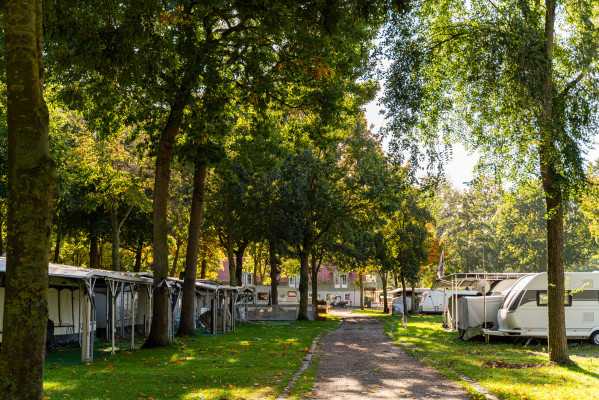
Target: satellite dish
x,y
483,286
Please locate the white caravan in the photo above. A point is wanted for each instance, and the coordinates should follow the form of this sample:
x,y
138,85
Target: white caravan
x,y
523,311
432,301
427,300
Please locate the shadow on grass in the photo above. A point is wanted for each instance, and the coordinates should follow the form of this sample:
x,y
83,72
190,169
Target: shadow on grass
x,y
540,380
256,361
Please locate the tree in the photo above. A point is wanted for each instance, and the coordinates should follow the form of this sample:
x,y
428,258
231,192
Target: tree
x,y
31,185
495,76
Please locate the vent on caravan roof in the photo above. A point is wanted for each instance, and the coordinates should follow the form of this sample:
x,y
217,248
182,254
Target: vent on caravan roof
x,y
587,283
588,317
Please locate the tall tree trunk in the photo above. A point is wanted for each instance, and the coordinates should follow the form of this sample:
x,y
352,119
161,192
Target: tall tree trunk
x,y
304,284
256,260
314,278
403,292
239,261
361,279
179,242
274,272
231,258
556,324
138,251
57,246
187,324
116,226
159,331
31,186
203,268
384,279
100,261
93,251
1,235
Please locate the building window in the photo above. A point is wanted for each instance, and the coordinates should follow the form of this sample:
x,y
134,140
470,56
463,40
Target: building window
x,y
248,278
337,280
346,296
344,279
293,281
292,293
263,296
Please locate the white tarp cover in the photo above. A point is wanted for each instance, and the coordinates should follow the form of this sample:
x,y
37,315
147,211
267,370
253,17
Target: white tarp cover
x,y
472,314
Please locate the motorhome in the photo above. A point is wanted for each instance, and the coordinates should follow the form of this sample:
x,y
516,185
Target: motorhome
x,y
523,311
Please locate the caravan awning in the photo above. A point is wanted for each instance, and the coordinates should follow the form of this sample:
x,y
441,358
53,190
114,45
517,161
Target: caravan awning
x,y
471,279
68,271
409,290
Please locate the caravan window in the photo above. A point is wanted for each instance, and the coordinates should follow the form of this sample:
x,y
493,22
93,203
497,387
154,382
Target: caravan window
x,y
542,298
586,295
514,299
530,296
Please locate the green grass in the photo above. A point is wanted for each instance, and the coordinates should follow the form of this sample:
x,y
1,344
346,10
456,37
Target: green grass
x,y
304,384
492,365
255,362
367,311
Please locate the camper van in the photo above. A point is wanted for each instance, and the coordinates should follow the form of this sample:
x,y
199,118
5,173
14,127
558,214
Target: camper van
x,y
523,311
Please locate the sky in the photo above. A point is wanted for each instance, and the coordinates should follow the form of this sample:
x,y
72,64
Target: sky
x,y
459,169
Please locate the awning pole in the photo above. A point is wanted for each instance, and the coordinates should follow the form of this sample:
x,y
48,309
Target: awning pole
x,y
133,318
113,318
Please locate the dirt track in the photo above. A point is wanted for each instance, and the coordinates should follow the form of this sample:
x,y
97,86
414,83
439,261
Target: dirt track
x,y
358,361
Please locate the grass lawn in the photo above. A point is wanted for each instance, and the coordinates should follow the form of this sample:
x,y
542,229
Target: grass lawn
x,y
508,370
255,362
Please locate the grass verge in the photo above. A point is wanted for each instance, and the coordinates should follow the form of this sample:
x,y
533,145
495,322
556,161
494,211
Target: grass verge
x,y
508,370
255,362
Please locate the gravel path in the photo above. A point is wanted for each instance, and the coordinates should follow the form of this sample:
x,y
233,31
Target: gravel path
x,y
358,361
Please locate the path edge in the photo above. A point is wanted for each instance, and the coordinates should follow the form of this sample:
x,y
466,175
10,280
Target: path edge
x,y
305,363
437,364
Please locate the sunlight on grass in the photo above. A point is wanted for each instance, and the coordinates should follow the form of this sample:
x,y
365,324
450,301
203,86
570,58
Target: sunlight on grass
x,y
508,370
369,311
255,362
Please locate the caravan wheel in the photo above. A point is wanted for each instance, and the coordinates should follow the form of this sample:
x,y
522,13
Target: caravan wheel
x,y
595,338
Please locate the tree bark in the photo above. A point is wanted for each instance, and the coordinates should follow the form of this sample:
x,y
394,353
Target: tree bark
x,y
93,252
159,331
274,272
303,286
361,279
138,251
57,246
403,292
203,268
239,262
314,279
385,303
556,324
187,323
31,186
179,242
231,258
1,236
